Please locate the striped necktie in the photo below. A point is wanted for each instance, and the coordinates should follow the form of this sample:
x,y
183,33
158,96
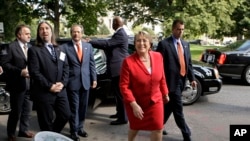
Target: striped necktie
x,y
53,53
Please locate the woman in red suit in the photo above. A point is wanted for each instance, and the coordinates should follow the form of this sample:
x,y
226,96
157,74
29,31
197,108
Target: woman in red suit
x,y
143,87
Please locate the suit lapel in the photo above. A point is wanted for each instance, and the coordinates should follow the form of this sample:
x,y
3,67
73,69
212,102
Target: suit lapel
x,y
140,64
20,51
72,50
46,52
153,64
173,49
57,50
84,50
185,47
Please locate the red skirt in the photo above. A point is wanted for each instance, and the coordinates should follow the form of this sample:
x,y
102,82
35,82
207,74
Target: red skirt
x,y
152,120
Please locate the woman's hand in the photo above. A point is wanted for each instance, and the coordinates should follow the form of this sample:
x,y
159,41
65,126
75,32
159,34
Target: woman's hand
x,y
137,110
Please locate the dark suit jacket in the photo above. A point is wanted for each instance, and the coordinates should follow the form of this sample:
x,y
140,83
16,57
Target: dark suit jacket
x,y
117,48
83,73
171,61
13,63
44,71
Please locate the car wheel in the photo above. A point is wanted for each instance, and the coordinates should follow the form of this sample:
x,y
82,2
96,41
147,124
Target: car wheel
x,y
246,76
4,101
190,95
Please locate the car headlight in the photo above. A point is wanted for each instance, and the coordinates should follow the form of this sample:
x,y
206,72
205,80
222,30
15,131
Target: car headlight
x,y
216,73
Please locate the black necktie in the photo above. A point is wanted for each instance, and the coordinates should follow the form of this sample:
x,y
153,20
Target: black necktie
x,y
53,53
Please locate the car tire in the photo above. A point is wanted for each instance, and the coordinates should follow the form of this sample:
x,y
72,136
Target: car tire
x,y
4,101
246,76
190,95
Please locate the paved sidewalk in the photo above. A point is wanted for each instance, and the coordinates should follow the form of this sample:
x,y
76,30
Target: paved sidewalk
x,y
98,128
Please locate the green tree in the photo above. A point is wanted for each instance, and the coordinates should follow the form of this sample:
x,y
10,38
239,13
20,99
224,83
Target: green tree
x,y
103,30
212,17
242,17
201,16
142,28
87,14
12,13
84,12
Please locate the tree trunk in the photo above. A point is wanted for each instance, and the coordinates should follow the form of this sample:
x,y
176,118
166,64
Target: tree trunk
x,y
57,28
57,19
239,37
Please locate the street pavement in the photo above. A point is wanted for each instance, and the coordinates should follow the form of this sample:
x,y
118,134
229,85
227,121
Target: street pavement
x,y
209,119
98,128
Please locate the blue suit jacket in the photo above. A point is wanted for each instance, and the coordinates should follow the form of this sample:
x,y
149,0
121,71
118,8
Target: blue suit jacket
x,y
116,48
171,61
80,73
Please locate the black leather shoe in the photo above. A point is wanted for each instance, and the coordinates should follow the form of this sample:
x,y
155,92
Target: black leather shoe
x,y
26,134
12,138
83,133
164,132
113,116
74,137
187,138
118,122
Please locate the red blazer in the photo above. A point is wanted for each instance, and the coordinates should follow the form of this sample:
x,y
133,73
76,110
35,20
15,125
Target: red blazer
x,y
137,84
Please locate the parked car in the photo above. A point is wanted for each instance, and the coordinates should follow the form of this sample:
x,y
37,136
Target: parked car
x,y
207,79
208,82
4,100
196,42
4,95
231,64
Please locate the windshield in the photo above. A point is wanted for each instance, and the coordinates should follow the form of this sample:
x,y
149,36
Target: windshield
x,y
245,46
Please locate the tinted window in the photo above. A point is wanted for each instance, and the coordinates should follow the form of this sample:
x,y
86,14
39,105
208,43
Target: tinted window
x,y
245,46
3,49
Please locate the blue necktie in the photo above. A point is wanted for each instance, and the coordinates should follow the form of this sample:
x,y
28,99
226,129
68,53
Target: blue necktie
x,y
53,53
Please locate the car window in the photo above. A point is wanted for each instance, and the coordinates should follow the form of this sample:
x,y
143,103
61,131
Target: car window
x,y
3,49
245,46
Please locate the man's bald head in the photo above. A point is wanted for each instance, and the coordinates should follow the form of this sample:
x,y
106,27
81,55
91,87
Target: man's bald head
x,y
117,22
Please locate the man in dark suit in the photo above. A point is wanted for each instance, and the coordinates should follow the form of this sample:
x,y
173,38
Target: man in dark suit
x,y
49,71
82,76
178,67
117,48
1,70
15,66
